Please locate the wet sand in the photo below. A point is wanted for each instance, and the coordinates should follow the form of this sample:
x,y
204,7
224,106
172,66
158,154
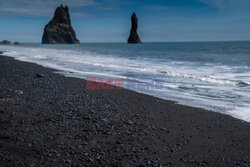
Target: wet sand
x,y
47,119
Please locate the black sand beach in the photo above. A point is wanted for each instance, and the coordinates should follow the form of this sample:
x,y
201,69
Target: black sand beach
x,y
52,120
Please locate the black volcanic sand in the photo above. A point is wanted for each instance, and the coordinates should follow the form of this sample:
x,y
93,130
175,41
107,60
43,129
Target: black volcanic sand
x,y
52,120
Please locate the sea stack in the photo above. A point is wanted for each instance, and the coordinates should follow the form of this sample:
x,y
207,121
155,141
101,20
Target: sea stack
x,y
59,29
134,37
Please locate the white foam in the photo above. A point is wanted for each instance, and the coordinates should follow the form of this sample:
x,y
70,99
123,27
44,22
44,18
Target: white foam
x,y
203,78
170,85
240,113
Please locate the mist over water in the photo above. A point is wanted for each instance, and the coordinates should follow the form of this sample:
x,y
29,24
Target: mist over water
x,y
210,75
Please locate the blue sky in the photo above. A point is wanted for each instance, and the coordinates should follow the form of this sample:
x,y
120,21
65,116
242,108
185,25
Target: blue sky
x,y
109,20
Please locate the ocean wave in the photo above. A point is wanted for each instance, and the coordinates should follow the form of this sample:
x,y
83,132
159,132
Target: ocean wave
x,y
169,73
174,74
104,61
206,79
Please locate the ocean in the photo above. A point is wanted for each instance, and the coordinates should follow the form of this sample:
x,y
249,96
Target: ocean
x,y
209,75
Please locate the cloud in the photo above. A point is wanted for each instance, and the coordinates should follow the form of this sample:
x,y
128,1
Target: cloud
x,y
107,5
228,4
158,7
13,8
38,7
80,15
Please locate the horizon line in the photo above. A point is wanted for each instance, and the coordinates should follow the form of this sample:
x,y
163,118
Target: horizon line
x,y
150,42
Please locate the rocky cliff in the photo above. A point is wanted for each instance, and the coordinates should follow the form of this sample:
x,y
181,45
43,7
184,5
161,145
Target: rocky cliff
x,y
134,37
59,29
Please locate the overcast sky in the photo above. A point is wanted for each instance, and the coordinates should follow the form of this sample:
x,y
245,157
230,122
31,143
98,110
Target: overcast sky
x,y
109,20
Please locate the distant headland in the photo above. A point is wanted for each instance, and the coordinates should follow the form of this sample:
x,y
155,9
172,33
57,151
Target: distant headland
x,y
7,42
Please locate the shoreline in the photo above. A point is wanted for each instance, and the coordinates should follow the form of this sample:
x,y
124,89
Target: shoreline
x,y
54,120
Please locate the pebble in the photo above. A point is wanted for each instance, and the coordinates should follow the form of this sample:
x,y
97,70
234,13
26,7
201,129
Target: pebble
x,y
19,92
118,142
68,161
39,75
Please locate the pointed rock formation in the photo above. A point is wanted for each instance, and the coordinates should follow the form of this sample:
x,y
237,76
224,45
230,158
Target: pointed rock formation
x,y
134,37
59,29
